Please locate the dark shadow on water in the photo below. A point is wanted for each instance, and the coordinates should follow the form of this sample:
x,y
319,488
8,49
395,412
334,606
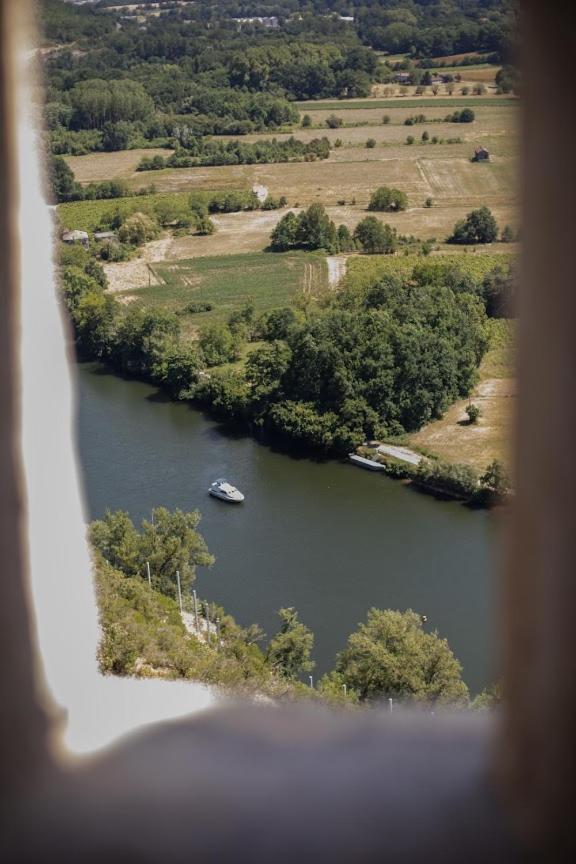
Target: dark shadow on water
x,y
160,397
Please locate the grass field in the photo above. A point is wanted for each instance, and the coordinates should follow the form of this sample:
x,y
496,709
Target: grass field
x,y
413,102
452,438
266,280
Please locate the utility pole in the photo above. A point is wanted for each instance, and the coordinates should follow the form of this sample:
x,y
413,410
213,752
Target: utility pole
x,y
148,571
179,590
311,681
345,689
196,612
207,612
218,633
391,704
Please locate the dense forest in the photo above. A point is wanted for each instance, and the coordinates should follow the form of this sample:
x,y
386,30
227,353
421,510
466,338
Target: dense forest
x,y
367,362
115,83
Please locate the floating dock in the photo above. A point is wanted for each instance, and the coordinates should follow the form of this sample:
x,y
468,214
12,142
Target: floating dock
x,y
368,464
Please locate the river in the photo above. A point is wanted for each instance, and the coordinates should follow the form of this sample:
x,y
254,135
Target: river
x,y
328,538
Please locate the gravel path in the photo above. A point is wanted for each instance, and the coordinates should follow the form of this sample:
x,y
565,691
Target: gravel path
x,y
336,269
402,453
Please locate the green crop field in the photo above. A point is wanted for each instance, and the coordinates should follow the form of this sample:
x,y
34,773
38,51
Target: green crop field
x,y
265,279
364,270
88,215
408,102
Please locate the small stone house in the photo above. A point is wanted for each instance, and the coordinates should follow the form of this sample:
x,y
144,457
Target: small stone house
x,y
76,236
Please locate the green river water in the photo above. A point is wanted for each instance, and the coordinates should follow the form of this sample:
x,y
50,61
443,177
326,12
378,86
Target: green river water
x,y
328,538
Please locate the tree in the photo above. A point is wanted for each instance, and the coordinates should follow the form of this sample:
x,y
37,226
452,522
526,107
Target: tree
x,y
94,319
169,543
466,115
473,412
285,235
392,656
306,121
289,652
218,345
139,228
277,324
116,136
266,366
507,235
425,136
388,200
496,479
374,237
64,186
480,226
345,239
386,119
316,230
498,292
177,369
507,79
75,284
489,699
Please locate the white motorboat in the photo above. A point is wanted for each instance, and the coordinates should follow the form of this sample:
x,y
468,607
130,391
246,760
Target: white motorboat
x,y
226,492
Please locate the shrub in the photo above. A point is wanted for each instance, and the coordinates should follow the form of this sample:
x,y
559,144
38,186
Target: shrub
x,y
306,121
473,412
334,122
198,306
496,479
374,237
479,226
428,202
425,136
466,115
386,119
388,200
447,478
138,228
370,143
410,139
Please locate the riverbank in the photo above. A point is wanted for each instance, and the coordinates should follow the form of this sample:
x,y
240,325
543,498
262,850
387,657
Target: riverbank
x,y
322,536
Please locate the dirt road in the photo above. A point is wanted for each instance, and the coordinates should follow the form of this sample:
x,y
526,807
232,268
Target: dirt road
x,y
336,269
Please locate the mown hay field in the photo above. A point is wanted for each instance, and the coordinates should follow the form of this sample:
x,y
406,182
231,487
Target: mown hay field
x,y
346,180
452,438
110,166
266,280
